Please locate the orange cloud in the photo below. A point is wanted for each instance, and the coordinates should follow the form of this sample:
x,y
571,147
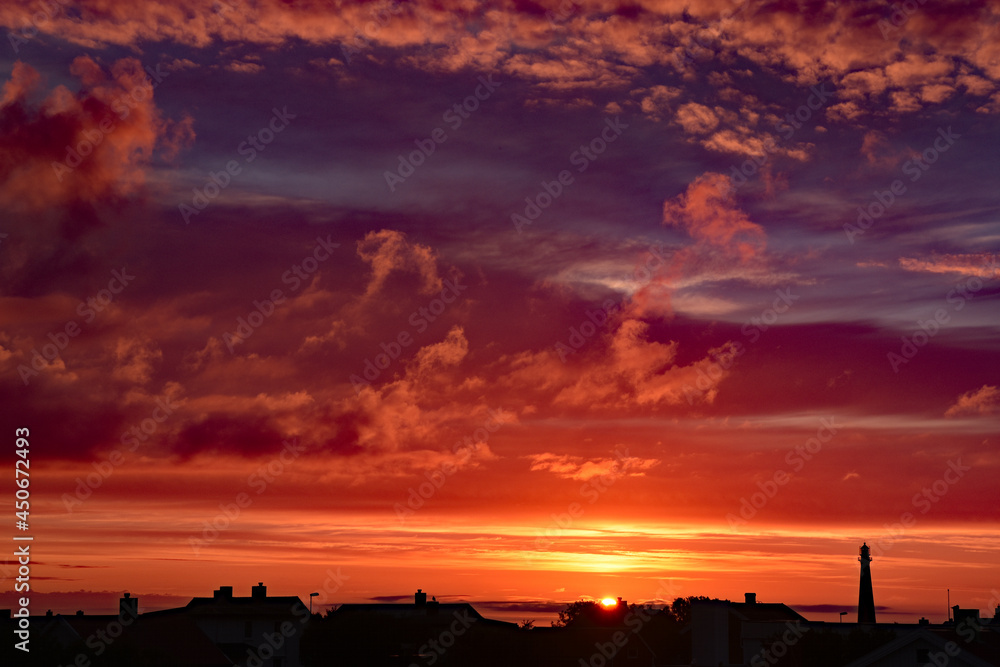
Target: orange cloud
x,y
388,252
580,469
409,422
859,85
590,45
713,221
983,265
983,401
914,70
696,118
657,100
726,243
637,372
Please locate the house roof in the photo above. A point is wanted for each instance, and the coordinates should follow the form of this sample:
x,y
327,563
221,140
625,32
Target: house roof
x,y
765,611
234,606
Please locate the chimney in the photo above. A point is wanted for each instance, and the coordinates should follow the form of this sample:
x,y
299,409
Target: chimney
x,y
128,606
224,593
259,592
420,598
751,598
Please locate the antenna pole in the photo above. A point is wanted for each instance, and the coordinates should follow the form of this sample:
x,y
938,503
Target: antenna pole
x,y
949,604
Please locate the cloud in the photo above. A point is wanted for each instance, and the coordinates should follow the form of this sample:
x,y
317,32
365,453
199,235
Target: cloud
x,y
863,84
844,112
696,118
388,252
983,401
713,221
580,469
23,81
727,245
590,48
411,422
244,67
656,101
876,151
636,372
917,70
134,360
976,85
447,353
85,147
983,265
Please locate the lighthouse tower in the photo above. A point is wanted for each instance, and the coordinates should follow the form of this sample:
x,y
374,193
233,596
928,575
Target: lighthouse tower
x,y
866,600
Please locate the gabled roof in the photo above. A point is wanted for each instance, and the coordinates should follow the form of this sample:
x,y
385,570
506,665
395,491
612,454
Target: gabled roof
x,y
234,606
765,611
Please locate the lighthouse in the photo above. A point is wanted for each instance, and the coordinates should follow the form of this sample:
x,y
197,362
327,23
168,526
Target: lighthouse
x,y
866,600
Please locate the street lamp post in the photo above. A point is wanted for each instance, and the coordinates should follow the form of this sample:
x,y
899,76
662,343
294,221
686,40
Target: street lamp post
x,y
311,596
842,614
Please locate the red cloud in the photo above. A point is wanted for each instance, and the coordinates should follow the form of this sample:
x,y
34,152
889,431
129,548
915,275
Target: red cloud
x,y
83,147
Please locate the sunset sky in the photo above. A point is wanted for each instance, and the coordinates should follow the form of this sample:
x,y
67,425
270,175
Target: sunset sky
x,y
514,302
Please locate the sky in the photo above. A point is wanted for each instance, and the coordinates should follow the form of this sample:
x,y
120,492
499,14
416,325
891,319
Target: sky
x,y
515,302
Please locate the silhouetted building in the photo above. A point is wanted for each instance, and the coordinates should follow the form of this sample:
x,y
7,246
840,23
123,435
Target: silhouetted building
x,y
969,616
866,598
256,631
126,639
400,634
731,633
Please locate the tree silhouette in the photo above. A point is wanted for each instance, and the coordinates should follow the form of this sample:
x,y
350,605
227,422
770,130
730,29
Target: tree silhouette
x,y
681,607
581,613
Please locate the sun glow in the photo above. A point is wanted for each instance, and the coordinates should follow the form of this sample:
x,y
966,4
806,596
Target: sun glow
x,y
609,602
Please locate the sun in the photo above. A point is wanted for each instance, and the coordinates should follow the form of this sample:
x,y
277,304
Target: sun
x,y
609,602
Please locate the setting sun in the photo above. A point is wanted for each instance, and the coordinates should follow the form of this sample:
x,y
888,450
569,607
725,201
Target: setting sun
x,y
609,602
